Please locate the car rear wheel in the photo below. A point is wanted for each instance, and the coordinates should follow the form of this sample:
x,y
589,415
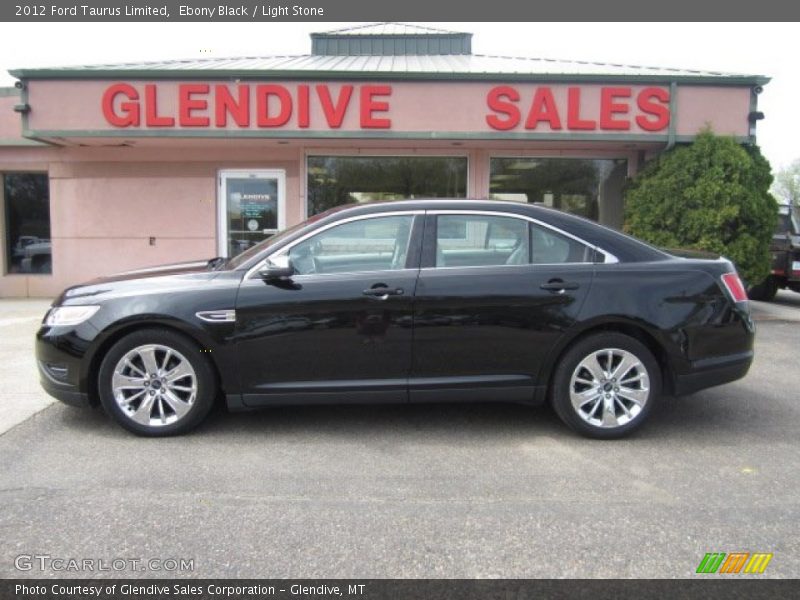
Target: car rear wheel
x,y
605,385
156,382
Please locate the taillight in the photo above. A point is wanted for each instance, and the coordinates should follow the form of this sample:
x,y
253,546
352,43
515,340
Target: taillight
x,y
734,286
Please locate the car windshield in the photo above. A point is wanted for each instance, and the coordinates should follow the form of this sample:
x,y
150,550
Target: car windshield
x,y
245,256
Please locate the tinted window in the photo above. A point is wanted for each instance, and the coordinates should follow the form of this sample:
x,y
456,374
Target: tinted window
x,y
591,188
336,180
27,201
549,247
478,240
377,244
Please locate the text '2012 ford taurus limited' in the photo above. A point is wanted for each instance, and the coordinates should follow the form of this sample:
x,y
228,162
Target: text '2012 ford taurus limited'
x,y
412,301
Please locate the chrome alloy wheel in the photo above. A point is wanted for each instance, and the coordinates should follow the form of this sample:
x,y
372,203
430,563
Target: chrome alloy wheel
x,y
609,388
154,385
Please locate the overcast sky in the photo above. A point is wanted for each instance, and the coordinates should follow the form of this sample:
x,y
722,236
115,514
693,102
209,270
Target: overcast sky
x,y
756,48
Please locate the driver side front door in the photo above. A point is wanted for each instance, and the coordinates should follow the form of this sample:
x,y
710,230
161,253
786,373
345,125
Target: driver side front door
x,y
340,329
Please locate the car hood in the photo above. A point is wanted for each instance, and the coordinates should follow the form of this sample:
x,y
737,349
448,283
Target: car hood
x,y
160,279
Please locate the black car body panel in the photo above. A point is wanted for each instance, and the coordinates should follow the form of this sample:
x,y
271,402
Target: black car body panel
x,y
167,298
314,334
444,333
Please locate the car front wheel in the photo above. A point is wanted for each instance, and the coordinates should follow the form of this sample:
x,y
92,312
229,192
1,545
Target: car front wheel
x,y
605,385
156,382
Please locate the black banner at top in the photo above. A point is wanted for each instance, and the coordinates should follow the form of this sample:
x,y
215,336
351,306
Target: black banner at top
x,y
393,10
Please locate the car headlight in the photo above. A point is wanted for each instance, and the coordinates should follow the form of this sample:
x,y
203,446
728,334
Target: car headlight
x,y
69,315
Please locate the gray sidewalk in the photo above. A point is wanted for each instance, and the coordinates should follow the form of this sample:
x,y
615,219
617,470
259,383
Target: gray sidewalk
x,y
21,395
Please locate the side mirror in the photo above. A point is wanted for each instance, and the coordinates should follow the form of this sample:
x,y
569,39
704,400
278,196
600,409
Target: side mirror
x,y
276,268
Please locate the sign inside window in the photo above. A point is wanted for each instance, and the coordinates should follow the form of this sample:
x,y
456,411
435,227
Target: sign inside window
x,y
252,211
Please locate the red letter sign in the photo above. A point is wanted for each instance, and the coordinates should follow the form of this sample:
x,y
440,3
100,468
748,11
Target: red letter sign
x,y
609,108
574,120
369,106
303,117
543,108
495,101
660,110
335,114
151,118
263,92
187,105
130,110
224,104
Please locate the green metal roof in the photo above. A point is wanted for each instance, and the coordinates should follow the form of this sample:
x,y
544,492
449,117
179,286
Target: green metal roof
x,y
386,29
390,39
425,67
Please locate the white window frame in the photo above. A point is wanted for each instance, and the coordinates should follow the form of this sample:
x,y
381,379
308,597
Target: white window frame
x,y
222,210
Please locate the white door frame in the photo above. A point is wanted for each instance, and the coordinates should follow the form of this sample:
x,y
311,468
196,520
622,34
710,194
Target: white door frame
x,y
222,209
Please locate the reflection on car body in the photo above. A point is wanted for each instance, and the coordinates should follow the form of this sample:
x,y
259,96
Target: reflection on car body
x,y
412,301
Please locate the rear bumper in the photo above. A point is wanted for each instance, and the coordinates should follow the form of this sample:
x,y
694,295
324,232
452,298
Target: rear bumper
x,y
709,372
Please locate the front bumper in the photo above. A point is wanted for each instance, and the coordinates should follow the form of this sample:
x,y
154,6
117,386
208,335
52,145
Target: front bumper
x,y
710,372
59,357
64,393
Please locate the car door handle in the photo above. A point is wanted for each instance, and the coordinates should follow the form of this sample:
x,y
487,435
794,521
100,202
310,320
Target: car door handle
x,y
559,286
383,292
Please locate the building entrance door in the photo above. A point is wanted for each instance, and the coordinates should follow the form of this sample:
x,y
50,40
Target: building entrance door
x,y
251,207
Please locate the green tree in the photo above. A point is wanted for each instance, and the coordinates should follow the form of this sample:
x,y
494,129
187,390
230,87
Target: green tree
x,y
711,195
786,186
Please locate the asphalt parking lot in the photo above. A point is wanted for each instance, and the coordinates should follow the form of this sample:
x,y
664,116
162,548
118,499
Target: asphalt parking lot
x,y
408,491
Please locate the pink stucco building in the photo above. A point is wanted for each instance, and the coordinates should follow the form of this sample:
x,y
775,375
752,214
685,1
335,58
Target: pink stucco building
x,y
111,167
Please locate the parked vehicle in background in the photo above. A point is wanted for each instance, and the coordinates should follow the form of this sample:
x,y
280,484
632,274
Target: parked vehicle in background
x,y
23,241
410,301
38,258
785,248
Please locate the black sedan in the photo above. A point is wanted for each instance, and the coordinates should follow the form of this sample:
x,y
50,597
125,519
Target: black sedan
x,y
412,301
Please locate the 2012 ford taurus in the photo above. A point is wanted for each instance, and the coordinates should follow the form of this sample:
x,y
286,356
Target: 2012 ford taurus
x,y
412,301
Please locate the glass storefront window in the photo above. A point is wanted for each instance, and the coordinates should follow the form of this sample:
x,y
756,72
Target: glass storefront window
x,y
336,180
591,188
27,223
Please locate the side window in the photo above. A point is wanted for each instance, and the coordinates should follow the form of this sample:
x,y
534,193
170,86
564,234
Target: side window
x,y
549,247
481,240
373,244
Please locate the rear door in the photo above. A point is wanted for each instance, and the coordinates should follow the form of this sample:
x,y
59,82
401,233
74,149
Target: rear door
x,y
495,293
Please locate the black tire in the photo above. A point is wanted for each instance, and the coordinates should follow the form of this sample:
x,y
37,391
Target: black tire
x,y
185,348
764,291
567,367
